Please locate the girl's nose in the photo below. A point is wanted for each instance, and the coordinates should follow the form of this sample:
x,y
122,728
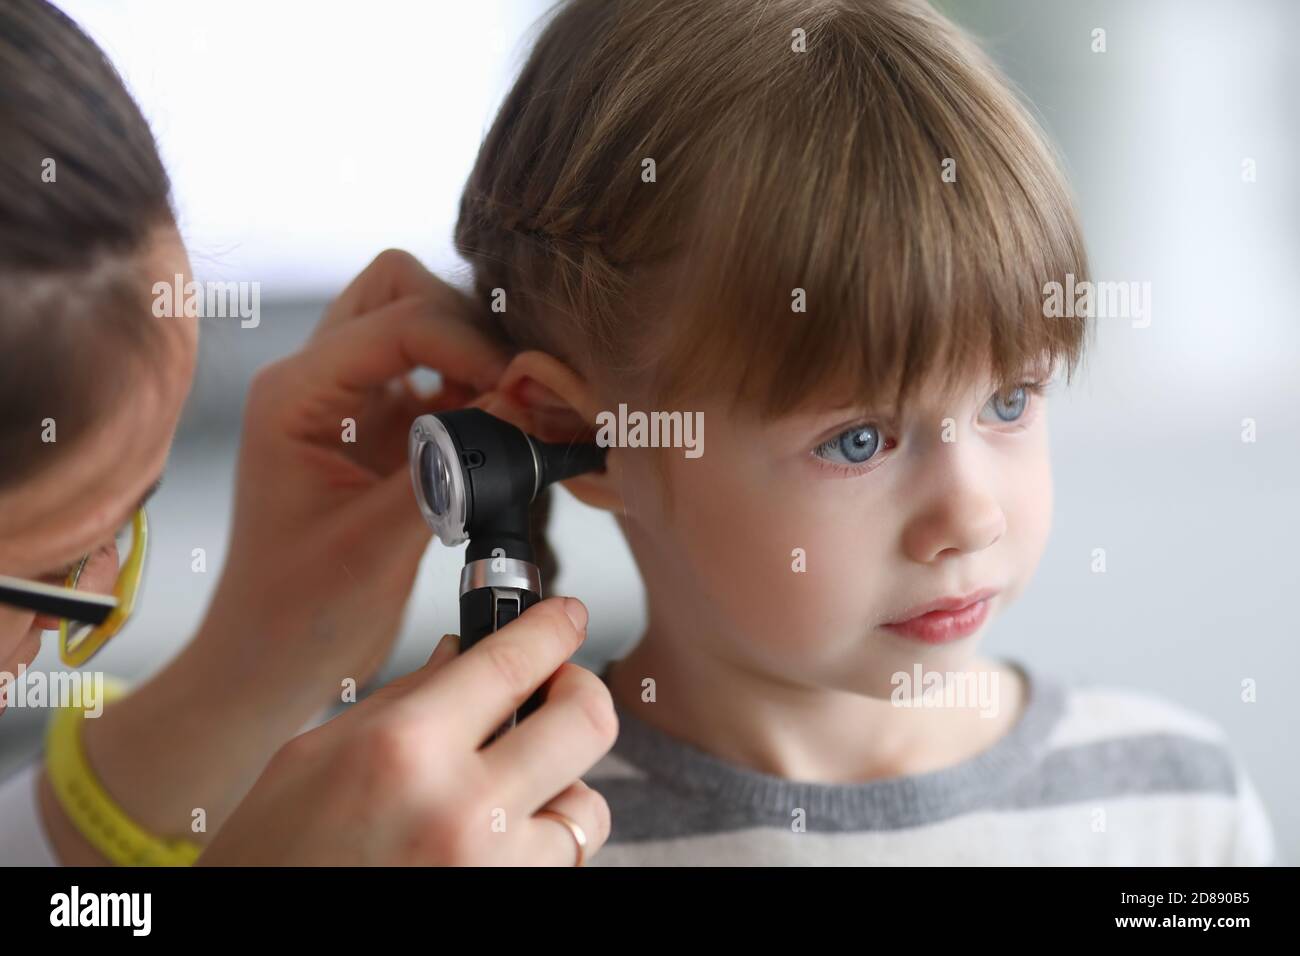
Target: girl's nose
x,y
965,518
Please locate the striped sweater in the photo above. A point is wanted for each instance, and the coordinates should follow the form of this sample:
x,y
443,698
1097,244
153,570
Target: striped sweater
x,y
1087,776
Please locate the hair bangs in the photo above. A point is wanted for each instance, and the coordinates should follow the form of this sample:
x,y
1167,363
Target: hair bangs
x,y
894,233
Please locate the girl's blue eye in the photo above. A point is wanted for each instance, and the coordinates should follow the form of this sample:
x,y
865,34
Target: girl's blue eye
x,y
1011,406
855,445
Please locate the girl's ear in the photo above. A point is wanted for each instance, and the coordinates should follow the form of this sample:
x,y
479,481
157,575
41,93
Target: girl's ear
x,y
550,401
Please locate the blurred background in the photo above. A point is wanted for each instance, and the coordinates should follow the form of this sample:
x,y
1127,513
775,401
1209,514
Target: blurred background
x,y
304,138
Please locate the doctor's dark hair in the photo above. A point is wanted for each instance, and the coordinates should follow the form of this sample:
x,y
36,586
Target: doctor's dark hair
x,y
82,188
799,149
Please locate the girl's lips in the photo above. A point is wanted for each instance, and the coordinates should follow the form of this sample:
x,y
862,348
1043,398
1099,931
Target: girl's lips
x,y
939,627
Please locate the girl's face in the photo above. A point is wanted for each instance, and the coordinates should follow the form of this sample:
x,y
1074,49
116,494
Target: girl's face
x,y
792,543
75,505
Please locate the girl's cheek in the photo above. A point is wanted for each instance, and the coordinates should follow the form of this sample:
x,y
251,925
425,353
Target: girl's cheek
x,y
738,551
1033,506
784,570
1039,520
1029,526
801,584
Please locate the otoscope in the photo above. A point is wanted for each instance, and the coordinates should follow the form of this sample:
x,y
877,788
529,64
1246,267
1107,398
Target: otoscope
x,y
475,478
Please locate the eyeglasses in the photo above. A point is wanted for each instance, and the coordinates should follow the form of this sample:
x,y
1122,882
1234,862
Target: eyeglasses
x,y
91,611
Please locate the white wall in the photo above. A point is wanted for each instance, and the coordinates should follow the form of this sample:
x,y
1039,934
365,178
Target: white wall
x,y
303,137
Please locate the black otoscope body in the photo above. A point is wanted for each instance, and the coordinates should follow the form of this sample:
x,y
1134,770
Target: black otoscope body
x,y
475,478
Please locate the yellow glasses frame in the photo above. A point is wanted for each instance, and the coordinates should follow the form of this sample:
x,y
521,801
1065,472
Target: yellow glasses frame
x,y
78,652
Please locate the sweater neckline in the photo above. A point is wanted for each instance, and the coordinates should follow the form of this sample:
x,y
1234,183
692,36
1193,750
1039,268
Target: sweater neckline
x,y
885,803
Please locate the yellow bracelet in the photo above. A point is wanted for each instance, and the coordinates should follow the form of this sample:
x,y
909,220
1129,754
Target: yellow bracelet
x,y
92,811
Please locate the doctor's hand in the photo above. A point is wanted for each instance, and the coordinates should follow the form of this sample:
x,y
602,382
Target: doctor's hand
x,y
399,779
327,537
324,549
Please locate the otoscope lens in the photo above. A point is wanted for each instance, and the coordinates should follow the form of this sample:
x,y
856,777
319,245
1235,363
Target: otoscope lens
x,y
436,475
434,480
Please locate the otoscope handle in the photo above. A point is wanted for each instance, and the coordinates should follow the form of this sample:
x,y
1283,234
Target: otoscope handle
x,y
488,609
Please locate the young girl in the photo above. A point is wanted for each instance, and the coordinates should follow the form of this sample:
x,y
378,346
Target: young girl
x,y
825,227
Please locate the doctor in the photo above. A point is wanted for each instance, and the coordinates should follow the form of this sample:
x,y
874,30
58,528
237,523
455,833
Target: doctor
x,y
324,547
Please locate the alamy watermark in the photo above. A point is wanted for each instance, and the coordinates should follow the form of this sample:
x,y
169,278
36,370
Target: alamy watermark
x,y
1102,300
651,430
132,911
83,689
209,300
974,689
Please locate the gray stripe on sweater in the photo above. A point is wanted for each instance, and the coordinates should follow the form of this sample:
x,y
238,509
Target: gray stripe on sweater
x,y
686,792
1149,764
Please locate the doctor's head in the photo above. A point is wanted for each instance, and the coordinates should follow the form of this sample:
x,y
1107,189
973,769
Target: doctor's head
x,y
91,381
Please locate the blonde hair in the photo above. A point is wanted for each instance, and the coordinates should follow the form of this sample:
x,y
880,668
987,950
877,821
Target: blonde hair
x,y
774,171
